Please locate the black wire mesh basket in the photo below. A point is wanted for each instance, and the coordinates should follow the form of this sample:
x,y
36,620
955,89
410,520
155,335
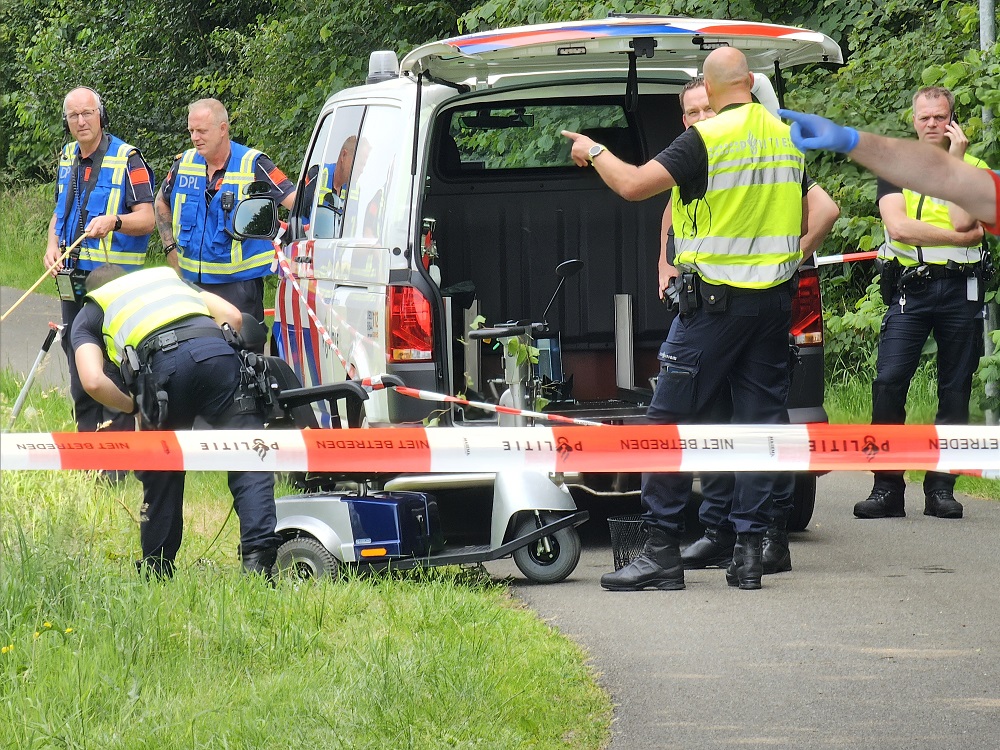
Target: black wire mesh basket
x,y
628,537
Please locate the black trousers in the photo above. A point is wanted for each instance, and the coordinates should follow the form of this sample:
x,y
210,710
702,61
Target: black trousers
x,y
202,379
744,349
942,308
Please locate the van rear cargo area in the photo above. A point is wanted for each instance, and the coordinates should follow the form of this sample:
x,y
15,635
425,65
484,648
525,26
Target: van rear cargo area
x,y
505,228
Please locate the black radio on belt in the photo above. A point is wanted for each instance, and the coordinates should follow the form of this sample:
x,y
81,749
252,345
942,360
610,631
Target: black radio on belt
x,y
71,280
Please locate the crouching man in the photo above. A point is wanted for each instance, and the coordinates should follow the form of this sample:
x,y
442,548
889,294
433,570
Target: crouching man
x,y
166,337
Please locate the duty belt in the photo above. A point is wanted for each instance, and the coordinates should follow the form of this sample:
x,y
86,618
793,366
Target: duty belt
x,y
165,340
935,272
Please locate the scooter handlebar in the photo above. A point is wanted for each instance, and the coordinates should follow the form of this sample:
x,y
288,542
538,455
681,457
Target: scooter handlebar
x,y
508,331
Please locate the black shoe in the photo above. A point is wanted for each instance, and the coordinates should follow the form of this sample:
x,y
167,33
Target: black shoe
x,y
942,503
747,566
260,562
658,566
777,558
882,503
714,550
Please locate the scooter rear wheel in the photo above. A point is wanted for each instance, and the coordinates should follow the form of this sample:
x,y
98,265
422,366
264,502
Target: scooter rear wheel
x,y
550,559
304,558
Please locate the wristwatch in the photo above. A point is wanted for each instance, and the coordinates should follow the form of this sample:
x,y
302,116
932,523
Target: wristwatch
x,y
118,223
596,150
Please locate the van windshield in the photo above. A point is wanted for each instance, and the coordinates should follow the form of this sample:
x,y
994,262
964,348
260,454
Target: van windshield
x,y
526,136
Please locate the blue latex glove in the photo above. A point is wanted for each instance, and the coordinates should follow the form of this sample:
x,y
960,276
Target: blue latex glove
x,y
813,131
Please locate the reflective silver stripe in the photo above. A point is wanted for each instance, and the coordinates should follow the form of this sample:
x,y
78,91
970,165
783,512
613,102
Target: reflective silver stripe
x,y
932,255
753,263
746,277
747,177
751,161
124,333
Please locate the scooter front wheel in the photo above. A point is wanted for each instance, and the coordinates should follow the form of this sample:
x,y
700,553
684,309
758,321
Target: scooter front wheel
x,y
549,559
303,558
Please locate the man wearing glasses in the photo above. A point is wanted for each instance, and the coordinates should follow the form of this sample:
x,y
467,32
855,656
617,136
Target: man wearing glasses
x,y
104,193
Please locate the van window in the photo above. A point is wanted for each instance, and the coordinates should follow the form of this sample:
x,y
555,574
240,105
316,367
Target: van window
x,y
526,136
376,157
328,175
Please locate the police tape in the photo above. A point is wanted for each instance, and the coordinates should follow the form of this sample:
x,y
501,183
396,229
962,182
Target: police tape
x,y
829,260
613,448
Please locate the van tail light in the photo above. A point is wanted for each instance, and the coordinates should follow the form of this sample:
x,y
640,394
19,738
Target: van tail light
x,y
807,310
410,335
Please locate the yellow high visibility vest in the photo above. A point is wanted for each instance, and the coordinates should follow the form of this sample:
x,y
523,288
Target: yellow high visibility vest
x,y
934,211
745,231
141,303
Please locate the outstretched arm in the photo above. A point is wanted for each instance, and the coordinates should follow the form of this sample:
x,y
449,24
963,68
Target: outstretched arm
x,y
908,164
630,182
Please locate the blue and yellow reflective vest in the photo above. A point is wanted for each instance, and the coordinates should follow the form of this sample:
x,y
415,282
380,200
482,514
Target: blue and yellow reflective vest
x,y
107,198
206,253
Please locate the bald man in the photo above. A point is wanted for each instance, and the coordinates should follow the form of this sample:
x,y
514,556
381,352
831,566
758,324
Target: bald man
x,y
194,210
737,233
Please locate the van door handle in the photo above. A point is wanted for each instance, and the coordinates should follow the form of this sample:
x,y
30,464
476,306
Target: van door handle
x,y
302,259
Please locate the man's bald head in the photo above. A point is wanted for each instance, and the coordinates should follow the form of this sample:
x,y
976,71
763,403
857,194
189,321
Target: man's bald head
x,y
727,77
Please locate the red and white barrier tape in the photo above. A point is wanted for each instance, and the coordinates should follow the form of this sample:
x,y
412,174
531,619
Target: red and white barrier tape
x,y
375,384
613,448
829,260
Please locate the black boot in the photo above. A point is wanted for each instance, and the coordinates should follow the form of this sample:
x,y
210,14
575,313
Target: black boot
x,y
942,503
747,566
260,562
658,566
715,549
777,558
881,503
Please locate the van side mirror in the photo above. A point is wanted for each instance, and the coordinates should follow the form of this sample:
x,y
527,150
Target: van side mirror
x,y
255,219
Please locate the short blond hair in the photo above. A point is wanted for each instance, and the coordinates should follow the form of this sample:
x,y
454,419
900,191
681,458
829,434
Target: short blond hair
x,y
214,106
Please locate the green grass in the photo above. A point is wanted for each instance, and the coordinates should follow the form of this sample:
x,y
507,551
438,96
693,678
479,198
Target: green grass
x,y
94,657
23,231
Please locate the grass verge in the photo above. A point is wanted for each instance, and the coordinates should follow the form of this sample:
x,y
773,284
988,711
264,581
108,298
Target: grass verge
x,y
23,231
93,657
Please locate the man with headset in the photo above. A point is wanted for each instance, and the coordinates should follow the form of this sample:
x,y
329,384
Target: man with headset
x,y
166,335
194,210
104,193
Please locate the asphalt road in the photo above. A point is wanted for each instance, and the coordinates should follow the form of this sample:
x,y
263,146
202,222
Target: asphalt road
x,y
22,335
884,635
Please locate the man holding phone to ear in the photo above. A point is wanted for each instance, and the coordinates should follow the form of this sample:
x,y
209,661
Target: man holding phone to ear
x,y
932,282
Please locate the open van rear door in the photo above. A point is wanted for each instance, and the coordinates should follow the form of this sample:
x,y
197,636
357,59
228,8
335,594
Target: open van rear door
x,y
661,47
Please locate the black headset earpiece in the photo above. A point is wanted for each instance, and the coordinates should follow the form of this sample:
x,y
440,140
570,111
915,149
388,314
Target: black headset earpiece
x,y
101,109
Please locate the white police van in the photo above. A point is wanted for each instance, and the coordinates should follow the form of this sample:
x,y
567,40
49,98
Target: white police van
x,y
442,191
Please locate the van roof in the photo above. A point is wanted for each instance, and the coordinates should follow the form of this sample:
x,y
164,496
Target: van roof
x,y
546,52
